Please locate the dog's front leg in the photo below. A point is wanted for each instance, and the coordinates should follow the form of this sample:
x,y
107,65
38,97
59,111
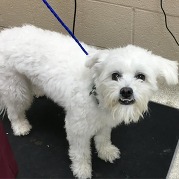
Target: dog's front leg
x,y
80,155
106,150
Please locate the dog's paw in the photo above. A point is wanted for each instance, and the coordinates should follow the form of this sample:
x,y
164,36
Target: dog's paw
x,y
109,153
81,170
21,128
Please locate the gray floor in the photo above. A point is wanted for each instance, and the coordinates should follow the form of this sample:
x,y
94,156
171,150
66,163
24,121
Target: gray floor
x,y
167,95
170,96
173,171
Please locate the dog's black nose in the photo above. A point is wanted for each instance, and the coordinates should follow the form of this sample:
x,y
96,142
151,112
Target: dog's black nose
x,y
126,92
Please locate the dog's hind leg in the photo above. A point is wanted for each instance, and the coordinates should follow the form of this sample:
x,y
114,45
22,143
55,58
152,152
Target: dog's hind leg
x,y
17,98
16,115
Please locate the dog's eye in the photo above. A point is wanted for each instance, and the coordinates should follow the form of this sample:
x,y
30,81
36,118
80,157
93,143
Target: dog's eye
x,y
116,76
140,76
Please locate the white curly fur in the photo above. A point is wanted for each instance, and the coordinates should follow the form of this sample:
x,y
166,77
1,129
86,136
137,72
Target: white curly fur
x,y
36,62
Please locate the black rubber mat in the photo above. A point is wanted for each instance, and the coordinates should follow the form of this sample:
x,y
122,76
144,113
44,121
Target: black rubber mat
x,y
146,148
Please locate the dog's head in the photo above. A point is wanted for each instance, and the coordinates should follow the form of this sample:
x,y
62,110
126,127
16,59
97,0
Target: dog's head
x,y
126,78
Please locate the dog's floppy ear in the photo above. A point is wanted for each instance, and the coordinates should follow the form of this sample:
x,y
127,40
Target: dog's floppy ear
x,y
95,58
92,59
166,69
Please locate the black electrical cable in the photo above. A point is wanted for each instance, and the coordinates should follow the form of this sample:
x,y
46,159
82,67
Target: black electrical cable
x,y
74,16
161,3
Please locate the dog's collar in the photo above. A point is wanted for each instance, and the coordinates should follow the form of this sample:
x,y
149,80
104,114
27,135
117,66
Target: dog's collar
x,y
94,93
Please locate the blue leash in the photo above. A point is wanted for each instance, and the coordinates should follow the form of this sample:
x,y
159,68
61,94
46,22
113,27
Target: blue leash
x,y
64,25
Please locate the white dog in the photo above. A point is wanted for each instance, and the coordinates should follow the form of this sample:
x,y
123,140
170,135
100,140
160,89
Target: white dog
x,y
98,91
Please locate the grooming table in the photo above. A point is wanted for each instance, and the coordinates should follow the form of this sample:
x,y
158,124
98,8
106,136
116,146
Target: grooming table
x,y
146,148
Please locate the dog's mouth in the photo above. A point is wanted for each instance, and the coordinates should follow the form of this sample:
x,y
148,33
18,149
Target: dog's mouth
x,y
126,101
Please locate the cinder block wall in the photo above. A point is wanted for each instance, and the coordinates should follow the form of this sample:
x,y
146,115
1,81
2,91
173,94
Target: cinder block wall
x,y
103,23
